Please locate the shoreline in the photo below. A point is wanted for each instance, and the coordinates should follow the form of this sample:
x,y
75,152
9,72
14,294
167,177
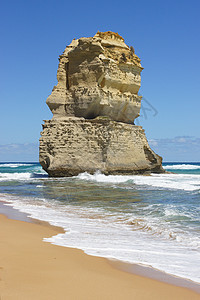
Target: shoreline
x,y
115,272
155,274
137,269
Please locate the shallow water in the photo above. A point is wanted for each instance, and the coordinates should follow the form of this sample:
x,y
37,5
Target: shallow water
x,y
151,220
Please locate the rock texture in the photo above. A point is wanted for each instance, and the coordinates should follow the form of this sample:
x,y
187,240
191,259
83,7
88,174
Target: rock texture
x,y
94,106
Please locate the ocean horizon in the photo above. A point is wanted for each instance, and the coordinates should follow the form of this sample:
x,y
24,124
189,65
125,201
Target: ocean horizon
x,y
148,220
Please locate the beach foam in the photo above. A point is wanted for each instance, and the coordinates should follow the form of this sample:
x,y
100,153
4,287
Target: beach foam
x,y
145,241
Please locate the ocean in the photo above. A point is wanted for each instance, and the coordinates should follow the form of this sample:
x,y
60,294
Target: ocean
x,y
149,220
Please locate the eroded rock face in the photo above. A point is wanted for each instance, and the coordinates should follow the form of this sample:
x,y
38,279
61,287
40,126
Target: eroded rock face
x,y
94,106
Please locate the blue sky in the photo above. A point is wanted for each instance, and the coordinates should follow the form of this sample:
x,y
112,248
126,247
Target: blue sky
x,y
165,35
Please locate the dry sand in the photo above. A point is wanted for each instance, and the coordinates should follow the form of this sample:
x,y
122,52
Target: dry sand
x,y
32,269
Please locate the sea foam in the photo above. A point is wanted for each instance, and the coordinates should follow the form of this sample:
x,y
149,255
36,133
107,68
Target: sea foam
x,y
182,167
169,181
14,165
15,176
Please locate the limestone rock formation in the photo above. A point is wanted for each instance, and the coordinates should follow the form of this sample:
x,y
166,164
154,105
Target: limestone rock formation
x,y
94,106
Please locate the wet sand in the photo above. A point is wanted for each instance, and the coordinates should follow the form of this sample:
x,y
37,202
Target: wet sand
x,y
33,269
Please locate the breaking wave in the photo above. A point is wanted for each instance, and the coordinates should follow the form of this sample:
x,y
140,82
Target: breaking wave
x,y
167,181
15,165
182,167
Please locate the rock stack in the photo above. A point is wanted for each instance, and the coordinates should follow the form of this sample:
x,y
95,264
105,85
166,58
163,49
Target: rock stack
x,y
94,106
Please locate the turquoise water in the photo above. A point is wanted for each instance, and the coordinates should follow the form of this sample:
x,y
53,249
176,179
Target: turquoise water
x,y
151,220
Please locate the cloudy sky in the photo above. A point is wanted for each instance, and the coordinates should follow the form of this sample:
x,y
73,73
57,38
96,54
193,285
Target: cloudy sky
x,y
165,35
180,148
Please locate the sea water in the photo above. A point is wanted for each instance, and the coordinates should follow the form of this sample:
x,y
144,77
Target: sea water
x,y
150,220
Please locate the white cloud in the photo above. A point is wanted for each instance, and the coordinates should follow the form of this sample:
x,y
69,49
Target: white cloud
x,y
19,152
181,140
153,143
181,148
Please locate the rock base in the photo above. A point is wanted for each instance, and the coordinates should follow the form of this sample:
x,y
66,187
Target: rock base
x,y
74,145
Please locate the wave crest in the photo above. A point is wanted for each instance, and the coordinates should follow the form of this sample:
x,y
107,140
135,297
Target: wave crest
x,y
182,167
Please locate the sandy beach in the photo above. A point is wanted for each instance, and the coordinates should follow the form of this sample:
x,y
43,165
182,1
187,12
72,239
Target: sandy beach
x,y
33,269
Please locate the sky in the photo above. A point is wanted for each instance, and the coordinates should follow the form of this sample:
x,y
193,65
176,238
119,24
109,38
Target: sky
x,y
164,34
